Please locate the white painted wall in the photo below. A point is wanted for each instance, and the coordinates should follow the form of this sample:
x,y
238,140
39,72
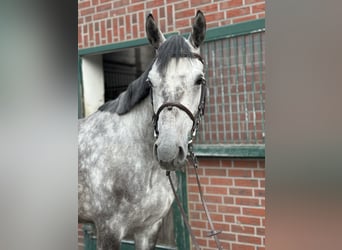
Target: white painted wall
x,y
93,83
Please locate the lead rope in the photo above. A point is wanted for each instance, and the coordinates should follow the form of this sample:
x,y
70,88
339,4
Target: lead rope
x,y
182,212
213,232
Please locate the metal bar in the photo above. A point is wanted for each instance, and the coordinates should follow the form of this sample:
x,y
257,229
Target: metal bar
x,y
237,86
204,53
223,103
251,44
260,50
213,56
230,150
209,104
230,94
244,55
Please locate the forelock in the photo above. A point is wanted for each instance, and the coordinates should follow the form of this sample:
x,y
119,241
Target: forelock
x,y
174,47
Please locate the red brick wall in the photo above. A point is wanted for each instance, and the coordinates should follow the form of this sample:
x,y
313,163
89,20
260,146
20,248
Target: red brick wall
x,y
235,194
102,22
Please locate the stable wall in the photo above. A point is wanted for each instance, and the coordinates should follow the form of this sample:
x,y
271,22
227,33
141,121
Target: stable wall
x,y
235,193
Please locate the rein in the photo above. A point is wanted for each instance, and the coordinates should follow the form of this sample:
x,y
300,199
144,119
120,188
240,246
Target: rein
x,y
195,124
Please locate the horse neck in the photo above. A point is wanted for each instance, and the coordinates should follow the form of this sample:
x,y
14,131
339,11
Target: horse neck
x,y
140,123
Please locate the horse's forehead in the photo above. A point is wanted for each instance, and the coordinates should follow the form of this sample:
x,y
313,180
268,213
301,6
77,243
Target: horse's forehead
x,y
183,68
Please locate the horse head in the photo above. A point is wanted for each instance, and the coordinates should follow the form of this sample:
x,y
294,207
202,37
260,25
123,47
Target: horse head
x,y
178,90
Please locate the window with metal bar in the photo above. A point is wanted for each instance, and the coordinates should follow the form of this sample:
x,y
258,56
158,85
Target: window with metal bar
x,y
235,75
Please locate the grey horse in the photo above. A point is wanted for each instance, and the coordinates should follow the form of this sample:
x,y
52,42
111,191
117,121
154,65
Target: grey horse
x,y
128,143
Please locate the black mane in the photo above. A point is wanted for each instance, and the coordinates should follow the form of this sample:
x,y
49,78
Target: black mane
x,y
174,47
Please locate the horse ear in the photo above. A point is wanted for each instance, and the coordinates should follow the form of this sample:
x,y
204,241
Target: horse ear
x,y
198,30
154,35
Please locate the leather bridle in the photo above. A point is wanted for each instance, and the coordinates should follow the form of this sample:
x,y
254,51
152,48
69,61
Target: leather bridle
x,y
194,118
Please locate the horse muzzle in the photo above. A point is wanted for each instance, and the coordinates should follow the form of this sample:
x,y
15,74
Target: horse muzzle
x,y
169,154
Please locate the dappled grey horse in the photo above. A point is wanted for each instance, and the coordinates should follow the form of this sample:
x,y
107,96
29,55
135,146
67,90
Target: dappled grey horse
x,y
128,143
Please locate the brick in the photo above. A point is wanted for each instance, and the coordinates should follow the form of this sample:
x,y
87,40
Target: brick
x,y
244,19
87,11
154,4
254,211
238,12
253,1
242,229
215,172
221,181
214,17
240,191
214,217
205,162
192,189
118,12
199,2
162,12
258,8
259,192
182,5
229,209
249,239
259,173
247,201
222,226
194,215
185,13
226,163
216,190
170,20
236,246
213,198
135,7
227,237
239,173
193,197
211,207
100,16
209,8
203,180
84,4
104,7
245,164
260,231
103,29
109,36
229,218
198,224
246,183
228,200
229,4
246,220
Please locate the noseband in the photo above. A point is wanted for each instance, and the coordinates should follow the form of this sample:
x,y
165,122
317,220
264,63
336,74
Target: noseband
x,y
169,105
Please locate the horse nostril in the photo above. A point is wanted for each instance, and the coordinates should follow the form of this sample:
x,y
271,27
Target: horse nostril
x,y
181,153
155,150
